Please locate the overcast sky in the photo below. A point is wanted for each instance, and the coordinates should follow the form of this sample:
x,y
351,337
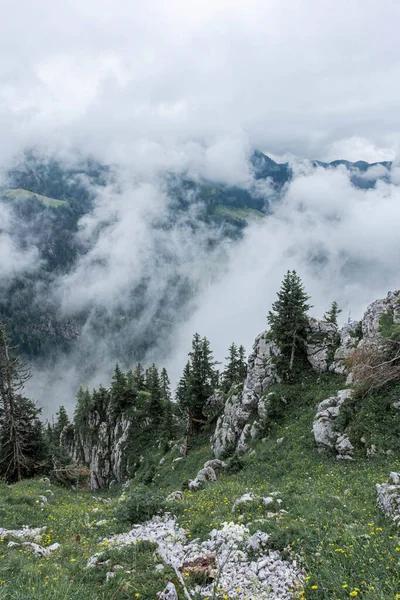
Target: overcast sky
x,y
312,78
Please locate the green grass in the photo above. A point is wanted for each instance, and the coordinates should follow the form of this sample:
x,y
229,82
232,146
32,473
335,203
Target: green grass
x,y
238,214
20,194
346,546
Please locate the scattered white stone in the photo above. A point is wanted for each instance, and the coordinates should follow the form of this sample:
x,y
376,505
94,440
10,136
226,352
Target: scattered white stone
x,y
231,545
43,499
175,496
93,560
53,547
101,523
251,497
389,497
267,500
280,440
40,550
371,451
169,593
24,532
248,497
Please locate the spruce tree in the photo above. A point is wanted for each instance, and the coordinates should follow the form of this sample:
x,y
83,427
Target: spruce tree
x,y
22,443
199,380
155,403
182,389
138,375
62,421
242,366
165,384
235,370
118,392
288,321
131,393
331,316
83,408
23,447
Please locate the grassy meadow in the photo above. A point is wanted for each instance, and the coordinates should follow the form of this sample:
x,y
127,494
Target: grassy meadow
x,y
346,547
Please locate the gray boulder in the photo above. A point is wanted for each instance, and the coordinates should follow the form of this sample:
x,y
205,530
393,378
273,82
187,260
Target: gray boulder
x,y
233,429
207,473
389,497
321,344
325,425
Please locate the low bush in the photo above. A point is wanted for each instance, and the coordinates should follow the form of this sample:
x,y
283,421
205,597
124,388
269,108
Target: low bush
x,y
142,504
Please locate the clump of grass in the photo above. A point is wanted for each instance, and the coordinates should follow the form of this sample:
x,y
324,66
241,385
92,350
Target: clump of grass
x,y
346,546
142,504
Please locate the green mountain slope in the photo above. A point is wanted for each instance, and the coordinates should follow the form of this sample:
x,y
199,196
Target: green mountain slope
x,y
20,194
328,520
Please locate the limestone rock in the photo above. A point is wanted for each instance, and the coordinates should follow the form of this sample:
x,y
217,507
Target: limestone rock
x,y
233,429
207,473
245,568
348,341
321,344
389,497
325,426
175,496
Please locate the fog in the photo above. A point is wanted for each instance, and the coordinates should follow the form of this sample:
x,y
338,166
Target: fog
x,y
175,88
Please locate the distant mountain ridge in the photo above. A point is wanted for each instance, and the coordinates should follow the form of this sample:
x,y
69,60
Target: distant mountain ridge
x,y
47,201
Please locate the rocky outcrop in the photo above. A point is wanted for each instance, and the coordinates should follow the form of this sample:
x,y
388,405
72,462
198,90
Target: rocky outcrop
x,y
372,319
245,567
102,448
372,332
322,342
327,433
350,336
207,473
233,426
389,497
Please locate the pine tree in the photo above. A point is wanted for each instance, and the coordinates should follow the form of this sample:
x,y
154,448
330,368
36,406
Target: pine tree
x,y
62,421
242,367
199,380
118,392
235,370
138,375
288,320
23,447
83,408
131,389
182,389
22,443
155,404
331,316
229,376
100,402
165,384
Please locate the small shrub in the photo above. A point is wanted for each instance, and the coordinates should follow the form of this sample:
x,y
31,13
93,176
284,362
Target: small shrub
x,y
142,504
235,464
374,365
24,499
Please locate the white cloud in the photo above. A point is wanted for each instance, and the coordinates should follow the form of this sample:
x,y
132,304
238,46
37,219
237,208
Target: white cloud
x,y
309,78
343,242
13,258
